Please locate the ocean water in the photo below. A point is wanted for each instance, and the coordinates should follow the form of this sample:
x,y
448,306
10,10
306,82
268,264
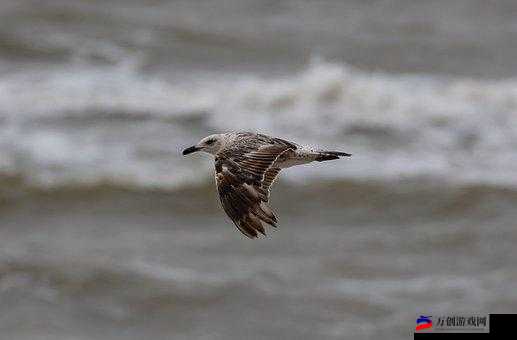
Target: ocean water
x,y
108,232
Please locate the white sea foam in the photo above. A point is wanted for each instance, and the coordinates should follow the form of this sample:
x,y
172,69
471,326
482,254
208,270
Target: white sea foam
x,y
86,124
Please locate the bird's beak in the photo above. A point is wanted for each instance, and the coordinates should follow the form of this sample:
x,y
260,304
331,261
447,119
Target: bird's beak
x,y
190,150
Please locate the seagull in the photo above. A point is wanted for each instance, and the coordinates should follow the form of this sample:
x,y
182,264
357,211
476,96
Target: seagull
x,y
246,165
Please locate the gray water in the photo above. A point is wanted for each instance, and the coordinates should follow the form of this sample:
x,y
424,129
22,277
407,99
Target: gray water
x,y
107,232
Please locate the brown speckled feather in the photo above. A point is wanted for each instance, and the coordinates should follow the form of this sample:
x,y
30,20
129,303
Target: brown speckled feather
x,y
244,173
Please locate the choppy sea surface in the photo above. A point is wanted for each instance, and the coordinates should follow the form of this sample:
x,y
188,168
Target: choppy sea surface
x,y
107,232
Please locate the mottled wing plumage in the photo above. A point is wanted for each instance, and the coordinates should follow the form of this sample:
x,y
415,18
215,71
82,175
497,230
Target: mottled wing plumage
x,y
244,173
269,177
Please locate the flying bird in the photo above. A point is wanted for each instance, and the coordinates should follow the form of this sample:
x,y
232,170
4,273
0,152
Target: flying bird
x,y
246,165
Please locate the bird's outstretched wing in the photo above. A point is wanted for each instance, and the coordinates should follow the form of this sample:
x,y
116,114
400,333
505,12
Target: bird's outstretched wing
x,y
243,180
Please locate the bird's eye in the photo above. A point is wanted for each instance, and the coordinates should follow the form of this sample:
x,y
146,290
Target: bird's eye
x,y
210,141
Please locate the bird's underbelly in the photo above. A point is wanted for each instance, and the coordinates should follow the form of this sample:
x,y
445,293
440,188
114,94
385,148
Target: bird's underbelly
x,y
292,158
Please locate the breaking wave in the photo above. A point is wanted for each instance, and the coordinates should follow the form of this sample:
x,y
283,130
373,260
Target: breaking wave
x,y
87,125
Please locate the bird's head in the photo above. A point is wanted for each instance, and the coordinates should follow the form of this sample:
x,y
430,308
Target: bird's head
x,y
210,144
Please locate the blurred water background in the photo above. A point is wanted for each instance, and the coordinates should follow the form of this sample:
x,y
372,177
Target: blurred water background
x,y
107,232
